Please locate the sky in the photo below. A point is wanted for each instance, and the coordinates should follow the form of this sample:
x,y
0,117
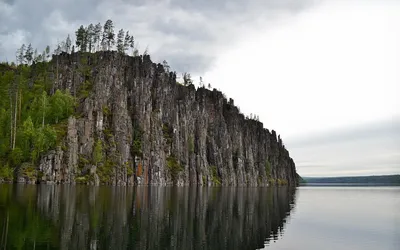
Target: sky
x,y
324,74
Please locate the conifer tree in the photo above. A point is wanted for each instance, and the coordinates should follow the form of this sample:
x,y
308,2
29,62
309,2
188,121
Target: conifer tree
x,y
29,54
35,56
166,66
81,38
47,52
68,44
21,54
108,35
135,51
120,41
97,36
90,37
44,56
127,41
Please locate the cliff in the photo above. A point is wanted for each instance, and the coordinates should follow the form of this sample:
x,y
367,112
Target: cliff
x,y
135,124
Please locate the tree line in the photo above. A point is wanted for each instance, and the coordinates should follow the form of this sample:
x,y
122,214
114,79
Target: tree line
x,y
92,38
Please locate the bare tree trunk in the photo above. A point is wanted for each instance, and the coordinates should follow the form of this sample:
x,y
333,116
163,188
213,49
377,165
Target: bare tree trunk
x,y
20,104
15,117
11,121
44,106
57,73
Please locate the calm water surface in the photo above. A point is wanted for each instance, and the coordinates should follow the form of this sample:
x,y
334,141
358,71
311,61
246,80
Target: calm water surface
x,y
81,217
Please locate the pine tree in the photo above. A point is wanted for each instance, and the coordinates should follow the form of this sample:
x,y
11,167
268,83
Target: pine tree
x,y
39,58
135,51
62,47
108,35
166,66
29,54
58,49
21,54
47,52
68,44
97,35
90,37
81,38
35,56
127,42
120,41
44,56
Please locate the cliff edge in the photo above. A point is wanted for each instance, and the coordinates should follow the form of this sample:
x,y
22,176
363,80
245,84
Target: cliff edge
x,y
135,125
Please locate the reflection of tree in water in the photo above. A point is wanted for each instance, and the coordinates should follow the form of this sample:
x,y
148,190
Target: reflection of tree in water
x,y
80,217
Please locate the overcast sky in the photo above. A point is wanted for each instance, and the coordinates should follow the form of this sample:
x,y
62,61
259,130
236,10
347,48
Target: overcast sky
x,y
323,74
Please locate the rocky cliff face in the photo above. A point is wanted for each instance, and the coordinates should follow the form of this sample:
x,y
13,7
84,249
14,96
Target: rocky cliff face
x,y
137,125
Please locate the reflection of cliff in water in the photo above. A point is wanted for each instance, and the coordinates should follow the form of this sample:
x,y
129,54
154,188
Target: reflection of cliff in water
x,y
80,217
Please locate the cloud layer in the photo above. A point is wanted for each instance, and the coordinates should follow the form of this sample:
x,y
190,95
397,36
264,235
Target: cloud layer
x,y
188,34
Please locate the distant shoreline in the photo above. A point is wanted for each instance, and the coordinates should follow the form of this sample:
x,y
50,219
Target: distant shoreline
x,y
350,184
376,180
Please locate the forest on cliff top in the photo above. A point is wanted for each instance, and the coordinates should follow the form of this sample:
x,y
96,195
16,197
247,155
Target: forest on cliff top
x,y
33,117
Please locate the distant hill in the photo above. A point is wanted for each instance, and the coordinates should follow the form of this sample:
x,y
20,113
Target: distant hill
x,y
375,179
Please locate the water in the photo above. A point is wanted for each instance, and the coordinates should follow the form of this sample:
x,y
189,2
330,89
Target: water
x,y
81,217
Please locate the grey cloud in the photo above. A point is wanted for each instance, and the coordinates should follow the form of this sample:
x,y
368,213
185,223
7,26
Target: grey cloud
x,y
185,33
387,128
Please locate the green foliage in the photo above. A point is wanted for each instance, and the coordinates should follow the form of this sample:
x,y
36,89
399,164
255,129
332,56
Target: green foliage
x,y
129,169
137,140
81,179
168,133
82,161
45,139
6,173
105,171
62,105
272,181
98,152
61,130
16,156
85,89
106,110
214,175
174,167
282,182
28,170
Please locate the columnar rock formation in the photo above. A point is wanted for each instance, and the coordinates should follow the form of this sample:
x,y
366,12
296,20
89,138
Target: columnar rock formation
x,y
137,125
